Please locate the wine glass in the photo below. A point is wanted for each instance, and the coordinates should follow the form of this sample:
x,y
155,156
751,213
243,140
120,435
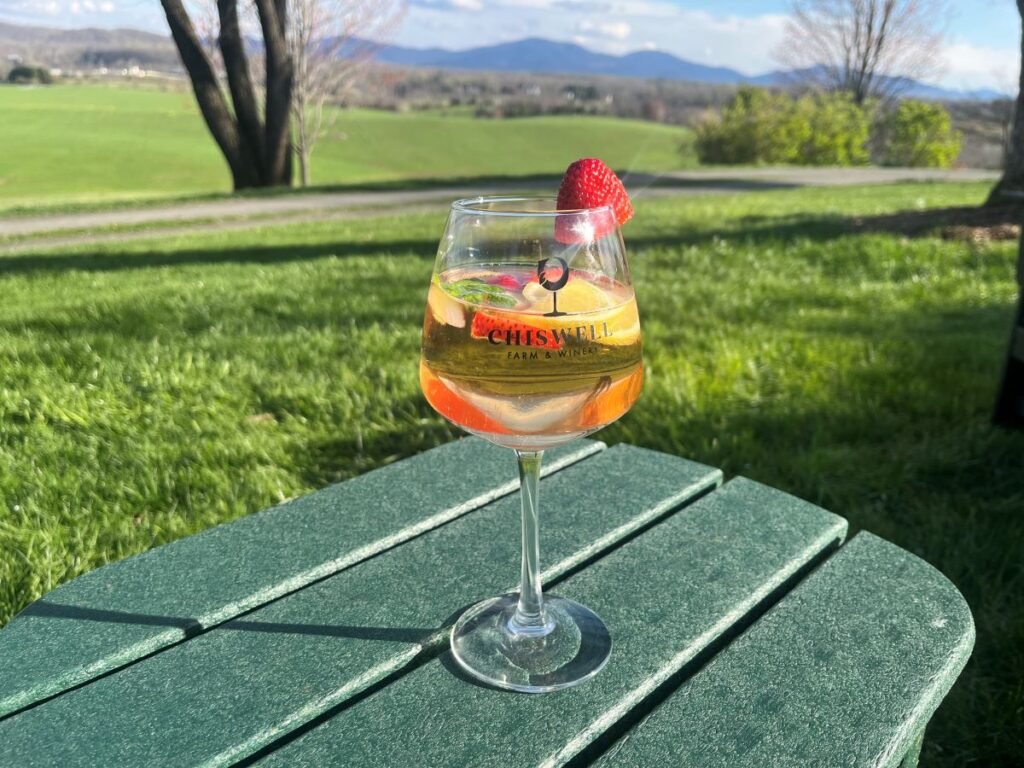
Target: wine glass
x,y
531,339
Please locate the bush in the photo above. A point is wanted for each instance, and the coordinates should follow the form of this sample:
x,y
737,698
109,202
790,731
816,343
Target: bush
x,y
23,75
687,149
838,130
759,126
919,135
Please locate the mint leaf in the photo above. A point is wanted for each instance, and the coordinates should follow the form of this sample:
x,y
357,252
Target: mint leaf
x,y
476,291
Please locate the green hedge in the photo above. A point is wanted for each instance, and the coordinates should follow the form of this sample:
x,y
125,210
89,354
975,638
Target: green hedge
x,y
23,75
769,127
920,135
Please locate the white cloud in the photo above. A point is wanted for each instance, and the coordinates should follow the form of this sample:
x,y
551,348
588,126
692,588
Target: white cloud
x,y
467,5
617,30
969,66
135,14
528,3
603,25
32,7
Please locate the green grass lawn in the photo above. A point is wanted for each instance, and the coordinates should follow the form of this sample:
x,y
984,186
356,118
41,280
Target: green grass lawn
x,y
151,389
81,143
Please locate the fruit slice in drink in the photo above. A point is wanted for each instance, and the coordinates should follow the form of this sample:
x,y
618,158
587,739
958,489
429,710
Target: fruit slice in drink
x,y
503,367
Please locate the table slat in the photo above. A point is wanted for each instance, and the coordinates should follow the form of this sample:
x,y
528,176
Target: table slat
x,y
846,670
228,692
123,611
665,596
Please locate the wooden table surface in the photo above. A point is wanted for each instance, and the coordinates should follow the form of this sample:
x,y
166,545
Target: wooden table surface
x,y
315,632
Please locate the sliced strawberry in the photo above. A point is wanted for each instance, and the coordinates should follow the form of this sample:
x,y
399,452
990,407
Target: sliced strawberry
x,y
589,183
454,408
528,335
505,281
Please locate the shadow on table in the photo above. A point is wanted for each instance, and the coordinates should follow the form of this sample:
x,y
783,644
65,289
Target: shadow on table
x,y
193,627
49,610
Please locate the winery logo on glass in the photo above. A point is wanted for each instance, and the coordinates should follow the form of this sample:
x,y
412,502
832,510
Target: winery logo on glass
x,y
543,337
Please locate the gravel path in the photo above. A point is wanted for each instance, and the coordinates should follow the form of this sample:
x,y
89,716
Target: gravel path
x,y
241,213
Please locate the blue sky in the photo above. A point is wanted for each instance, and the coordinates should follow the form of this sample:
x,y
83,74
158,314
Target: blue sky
x,y
982,46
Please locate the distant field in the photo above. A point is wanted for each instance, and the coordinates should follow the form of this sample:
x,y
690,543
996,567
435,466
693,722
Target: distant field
x,y
86,142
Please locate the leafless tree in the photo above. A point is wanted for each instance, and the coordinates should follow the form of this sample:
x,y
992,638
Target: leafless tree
x,y
867,48
253,137
330,41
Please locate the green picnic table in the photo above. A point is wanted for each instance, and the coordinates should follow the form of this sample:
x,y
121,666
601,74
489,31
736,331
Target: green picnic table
x,y
746,633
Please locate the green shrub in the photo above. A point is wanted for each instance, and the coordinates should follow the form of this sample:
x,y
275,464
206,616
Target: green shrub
x,y
23,75
919,135
838,130
687,148
759,126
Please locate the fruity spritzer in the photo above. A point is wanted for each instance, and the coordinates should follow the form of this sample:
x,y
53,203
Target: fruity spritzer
x,y
508,358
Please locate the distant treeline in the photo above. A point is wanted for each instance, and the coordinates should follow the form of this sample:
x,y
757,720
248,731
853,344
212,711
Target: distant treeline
x,y
983,126
510,95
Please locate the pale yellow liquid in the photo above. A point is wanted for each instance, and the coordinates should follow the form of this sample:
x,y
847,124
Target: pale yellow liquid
x,y
526,380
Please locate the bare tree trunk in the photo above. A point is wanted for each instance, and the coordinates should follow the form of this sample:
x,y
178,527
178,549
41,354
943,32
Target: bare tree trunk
x,y
236,65
277,156
304,166
209,96
1010,187
257,148
302,144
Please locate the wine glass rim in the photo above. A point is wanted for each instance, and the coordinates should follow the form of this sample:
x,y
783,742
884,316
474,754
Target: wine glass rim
x,y
476,205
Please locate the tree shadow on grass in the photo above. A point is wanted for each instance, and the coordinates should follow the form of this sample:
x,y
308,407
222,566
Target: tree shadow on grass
x,y
102,261
754,229
634,180
253,315
949,222
926,222
332,460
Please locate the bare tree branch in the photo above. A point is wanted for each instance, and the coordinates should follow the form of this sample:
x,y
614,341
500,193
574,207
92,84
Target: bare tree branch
x,y
312,51
330,41
236,65
279,81
868,48
208,93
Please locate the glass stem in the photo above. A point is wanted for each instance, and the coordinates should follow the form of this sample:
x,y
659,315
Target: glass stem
x,y
529,617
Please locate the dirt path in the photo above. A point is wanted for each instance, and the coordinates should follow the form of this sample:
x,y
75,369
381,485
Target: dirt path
x,y
45,231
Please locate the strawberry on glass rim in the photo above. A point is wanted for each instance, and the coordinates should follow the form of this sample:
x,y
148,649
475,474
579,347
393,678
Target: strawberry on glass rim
x,y
587,184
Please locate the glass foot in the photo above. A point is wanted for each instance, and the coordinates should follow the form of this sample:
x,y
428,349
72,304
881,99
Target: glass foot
x,y
571,647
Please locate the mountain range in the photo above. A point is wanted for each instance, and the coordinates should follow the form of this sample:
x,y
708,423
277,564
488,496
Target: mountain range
x,y
547,56
118,47
87,48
